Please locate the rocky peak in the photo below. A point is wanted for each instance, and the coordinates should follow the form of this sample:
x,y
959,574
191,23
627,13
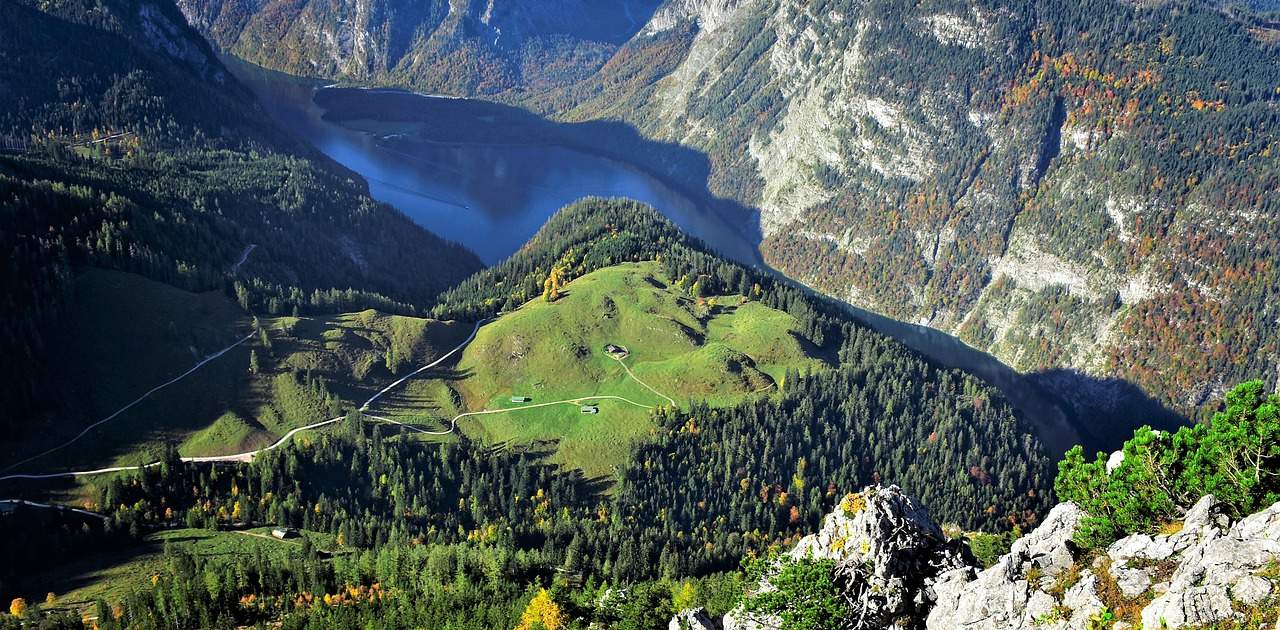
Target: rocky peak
x,y
1008,594
1204,571
887,550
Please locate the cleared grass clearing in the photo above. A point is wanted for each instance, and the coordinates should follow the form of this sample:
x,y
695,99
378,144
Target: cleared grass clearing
x,y
123,335
721,350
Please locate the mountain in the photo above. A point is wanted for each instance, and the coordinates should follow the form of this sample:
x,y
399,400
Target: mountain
x,y
154,160
473,46
1082,184
1087,185
241,393
726,410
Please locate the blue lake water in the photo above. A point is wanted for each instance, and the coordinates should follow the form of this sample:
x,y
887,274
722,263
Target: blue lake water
x,y
489,197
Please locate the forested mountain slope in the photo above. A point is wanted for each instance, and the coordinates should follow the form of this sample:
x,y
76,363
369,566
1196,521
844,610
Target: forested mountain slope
x,y
129,146
1088,184
713,476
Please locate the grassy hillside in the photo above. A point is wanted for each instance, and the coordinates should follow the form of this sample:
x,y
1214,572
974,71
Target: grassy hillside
x,y
108,352
122,335
721,349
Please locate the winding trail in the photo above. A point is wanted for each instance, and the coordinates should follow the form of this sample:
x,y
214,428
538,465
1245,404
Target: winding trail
x,y
237,457
248,456
622,362
453,424
427,366
243,257
60,508
130,405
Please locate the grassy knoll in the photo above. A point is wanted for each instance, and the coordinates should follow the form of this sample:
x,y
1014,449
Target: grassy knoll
x,y
229,433
721,350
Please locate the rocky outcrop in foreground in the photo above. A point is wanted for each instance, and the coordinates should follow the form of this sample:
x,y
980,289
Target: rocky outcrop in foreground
x,y
1205,571
898,570
887,551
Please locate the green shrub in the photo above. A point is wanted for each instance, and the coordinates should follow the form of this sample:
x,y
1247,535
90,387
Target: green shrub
x,y
1235,457
807,596
987,548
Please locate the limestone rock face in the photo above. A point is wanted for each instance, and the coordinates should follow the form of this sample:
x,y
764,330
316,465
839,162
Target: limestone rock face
x,y
1004,596
887,550
693,619
1196,576
1216,568
898,570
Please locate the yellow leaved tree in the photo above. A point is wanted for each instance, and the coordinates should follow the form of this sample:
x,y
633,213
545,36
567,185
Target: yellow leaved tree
x,y
542,613
551,286
18,607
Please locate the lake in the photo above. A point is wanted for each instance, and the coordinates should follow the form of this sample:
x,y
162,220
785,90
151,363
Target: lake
x,y
489,197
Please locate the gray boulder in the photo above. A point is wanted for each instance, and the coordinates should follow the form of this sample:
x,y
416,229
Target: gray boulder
x,y
1004,596
693,619
888,553
1220,569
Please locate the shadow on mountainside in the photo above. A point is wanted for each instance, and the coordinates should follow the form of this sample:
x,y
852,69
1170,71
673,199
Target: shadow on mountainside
x,y
1064,407
1105,410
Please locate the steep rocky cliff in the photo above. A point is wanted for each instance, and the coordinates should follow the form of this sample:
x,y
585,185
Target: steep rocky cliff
x,y
1082,184
898,570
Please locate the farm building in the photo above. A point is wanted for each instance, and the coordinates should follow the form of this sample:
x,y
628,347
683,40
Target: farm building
x,y
590,409
521,399
284,532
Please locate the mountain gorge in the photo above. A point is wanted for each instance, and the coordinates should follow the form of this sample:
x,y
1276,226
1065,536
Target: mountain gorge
x,y
1088,185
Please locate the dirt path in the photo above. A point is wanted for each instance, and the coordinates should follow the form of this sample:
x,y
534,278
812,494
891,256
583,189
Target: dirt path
x,y
130,405
249,455
621,361
237,457
243,257
60,508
